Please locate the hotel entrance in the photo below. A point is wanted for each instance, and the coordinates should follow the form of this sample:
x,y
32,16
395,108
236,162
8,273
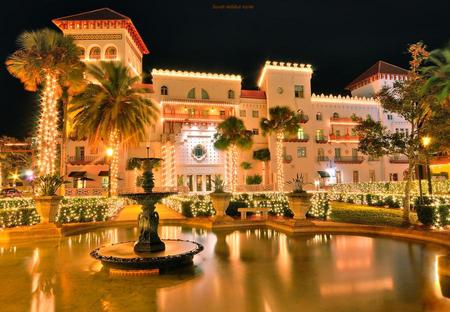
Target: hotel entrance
x,y
196,183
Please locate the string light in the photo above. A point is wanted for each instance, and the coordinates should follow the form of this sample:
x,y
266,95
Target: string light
x,y
47,132
280,169
114,165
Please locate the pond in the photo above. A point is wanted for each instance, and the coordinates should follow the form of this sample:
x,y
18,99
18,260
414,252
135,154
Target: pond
x,y
246,270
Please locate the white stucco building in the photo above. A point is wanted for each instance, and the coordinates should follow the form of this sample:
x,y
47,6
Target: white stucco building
x,y
191,105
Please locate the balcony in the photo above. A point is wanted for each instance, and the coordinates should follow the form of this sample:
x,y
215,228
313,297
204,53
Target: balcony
x,y
194,117
299,138
350,121
398,159
373,158
321,139
303,118
344,138
348,159
86,160
323,158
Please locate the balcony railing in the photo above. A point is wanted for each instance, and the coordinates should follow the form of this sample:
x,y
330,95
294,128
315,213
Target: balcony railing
x,y
301,138
345,120
348,159
85,160
398,159
323,158
194,117
321,139
304,118
373,158
344,138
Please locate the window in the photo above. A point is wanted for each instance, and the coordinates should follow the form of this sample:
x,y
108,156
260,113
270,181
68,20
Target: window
x,y
95,53
355,176
335,115
255,114
222,114
338,133
338,177
319,135
199,182
372,175
208,183
255,131
191,94
301,152
190,183
393,177
299,91
354,152
82,52
205,95
164,90
79,153
389,117
242,113
111,53
105,182
337,152
300,134
319,116
230,94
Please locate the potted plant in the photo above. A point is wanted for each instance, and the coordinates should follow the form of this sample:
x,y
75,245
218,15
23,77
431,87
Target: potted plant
x,y
219,198
47,202
299,199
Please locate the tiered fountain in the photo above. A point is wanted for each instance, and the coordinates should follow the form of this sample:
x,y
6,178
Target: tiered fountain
x,y
149,252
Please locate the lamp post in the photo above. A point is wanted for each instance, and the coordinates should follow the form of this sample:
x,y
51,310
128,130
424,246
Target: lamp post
x,y
109,154
425,142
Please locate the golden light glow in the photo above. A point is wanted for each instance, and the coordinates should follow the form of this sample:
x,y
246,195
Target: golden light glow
x,y
343,99
426,140
179,73
109,152
283,66
280,157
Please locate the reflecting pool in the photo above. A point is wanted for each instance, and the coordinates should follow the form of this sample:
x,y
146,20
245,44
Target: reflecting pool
x,y
247,270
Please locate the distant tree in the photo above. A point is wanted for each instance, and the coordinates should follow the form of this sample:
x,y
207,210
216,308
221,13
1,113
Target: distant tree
x,y
406,99
282,121
232,135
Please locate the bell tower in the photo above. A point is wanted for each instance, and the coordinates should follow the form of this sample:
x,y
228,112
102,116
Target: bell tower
x,y
105,35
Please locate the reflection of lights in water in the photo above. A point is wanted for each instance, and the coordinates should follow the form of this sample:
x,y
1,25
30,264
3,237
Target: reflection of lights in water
x,y
170,232
233,241
353,252
42,296
437,285
356,287
196,233
318,239
283,259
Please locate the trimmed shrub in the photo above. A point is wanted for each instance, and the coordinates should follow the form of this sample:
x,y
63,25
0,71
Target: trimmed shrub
x,y
232,209
444,212
253,180
186,209
426,214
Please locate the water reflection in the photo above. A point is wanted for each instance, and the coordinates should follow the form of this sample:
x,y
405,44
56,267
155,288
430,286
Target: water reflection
x,y
251,270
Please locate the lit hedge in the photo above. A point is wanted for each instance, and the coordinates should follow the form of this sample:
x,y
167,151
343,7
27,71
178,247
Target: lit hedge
x,y
396,188
22,211
199,205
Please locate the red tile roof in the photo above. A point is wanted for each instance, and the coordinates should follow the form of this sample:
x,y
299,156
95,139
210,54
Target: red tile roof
x,y
104,14
148,86
253,94
379,67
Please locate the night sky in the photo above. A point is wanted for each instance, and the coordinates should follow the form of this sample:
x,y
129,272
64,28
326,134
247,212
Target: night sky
x,y
340,39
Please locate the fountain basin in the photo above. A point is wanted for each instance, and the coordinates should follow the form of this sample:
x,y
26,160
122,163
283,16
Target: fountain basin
x,y
122,255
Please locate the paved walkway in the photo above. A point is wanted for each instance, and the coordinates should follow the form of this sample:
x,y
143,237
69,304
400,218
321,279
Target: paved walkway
x,y
131,212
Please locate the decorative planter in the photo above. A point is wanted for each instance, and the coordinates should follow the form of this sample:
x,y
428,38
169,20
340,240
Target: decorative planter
x,y
220,202
299,203
47,207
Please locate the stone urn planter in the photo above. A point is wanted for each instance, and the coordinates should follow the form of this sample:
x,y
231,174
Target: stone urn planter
x,y
47,207
299,203
220,202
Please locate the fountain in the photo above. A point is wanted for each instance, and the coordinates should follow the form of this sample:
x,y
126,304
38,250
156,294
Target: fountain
x,y
149,252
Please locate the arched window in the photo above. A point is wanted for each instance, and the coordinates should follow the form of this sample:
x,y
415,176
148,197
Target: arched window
x,y
230,94
164,90
82,52
335,115
111,53
319,116
205,95
191,94
95,53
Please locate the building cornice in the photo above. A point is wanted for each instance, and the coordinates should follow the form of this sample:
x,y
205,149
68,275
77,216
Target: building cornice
x,y
190,74
286,66
338,99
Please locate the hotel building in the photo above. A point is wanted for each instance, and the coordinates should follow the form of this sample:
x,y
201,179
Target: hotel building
x,y
191,104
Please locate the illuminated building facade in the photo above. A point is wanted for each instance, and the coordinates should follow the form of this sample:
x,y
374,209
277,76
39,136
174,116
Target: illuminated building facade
x,y
191,105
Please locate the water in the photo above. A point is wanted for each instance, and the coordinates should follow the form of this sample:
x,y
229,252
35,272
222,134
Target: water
x,y
249,270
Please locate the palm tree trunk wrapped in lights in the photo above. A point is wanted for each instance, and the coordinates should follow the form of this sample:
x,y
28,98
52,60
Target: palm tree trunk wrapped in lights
x,y
45,58
282,121
114,174
231,135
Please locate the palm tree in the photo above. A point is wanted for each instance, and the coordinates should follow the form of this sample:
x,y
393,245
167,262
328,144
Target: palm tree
x,y
437,74
282,121
232,135
43,58
112,109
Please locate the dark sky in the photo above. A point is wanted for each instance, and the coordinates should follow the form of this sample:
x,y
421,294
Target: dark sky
x,y
339,38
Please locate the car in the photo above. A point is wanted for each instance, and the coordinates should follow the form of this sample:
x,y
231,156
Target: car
x,y
10,192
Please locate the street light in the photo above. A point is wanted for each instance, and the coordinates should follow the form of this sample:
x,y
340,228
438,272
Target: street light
x,y
109,154
426,140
